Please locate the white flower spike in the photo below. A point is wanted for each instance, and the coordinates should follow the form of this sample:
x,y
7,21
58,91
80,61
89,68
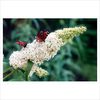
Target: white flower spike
x,y
39,51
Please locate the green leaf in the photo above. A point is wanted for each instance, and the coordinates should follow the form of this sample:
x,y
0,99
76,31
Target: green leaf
x,y
27,70
6,67
18,75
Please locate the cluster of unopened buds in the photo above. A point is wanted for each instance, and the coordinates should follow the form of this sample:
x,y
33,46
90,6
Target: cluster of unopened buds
x,y
43,48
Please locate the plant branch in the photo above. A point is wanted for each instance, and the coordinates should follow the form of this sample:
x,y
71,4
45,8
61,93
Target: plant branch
x,y
9,75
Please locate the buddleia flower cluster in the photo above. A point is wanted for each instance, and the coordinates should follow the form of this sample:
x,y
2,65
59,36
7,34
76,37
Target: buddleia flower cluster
x,y
43,48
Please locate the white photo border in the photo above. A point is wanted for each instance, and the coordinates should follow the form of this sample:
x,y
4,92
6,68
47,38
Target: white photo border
x,y
49,90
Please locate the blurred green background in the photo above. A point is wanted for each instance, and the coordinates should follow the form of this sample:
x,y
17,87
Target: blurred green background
x,y
76,61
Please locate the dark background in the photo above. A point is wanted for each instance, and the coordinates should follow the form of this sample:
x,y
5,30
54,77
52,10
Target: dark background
x,y
76,61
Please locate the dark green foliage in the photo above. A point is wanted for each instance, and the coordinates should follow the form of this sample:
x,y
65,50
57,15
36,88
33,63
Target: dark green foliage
x,y
76,61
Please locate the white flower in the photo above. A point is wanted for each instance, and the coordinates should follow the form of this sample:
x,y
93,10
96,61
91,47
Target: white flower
x,y
53,44
38,52
17,60
38,71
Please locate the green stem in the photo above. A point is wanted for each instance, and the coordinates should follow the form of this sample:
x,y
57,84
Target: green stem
x,y
28,68
9,69
28,78
9,75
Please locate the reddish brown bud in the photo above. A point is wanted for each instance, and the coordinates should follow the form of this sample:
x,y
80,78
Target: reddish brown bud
x,y
23,44
41,36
